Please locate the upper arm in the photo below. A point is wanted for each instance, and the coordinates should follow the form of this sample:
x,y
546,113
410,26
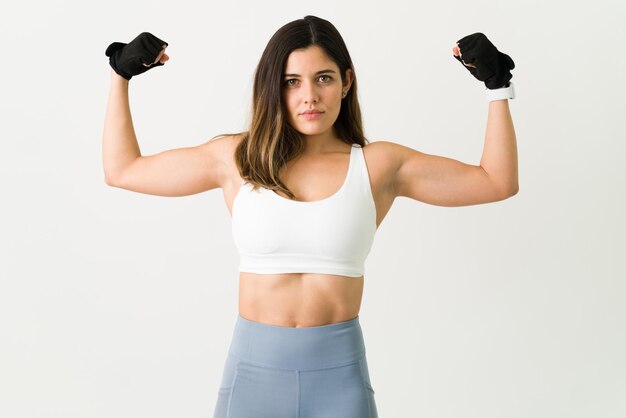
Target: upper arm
x,y
177,172
440,180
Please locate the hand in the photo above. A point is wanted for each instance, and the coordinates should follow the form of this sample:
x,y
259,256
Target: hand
x,y
144,52
162,57
457,53
484,61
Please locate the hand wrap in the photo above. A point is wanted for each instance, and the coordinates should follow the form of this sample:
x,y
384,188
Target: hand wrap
x,y
128,59
492,66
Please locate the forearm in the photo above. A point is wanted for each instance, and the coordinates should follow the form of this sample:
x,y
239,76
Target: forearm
x,y
119,142
499,157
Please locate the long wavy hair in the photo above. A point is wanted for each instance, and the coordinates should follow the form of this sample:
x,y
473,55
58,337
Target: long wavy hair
x,y
270,142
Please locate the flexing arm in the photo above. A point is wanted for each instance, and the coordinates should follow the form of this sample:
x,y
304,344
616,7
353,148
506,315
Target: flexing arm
x,y
499,157
445,181
448,182
176,172
119,142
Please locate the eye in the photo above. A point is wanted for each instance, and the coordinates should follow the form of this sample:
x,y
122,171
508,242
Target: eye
x,y
289,83
328,78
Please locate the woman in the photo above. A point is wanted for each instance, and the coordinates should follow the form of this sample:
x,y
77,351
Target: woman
x,y
306,193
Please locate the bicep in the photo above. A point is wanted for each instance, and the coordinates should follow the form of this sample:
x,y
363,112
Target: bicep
x,y
176,172
441,181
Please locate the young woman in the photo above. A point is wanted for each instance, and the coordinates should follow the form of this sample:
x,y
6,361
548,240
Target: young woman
x,y
306,193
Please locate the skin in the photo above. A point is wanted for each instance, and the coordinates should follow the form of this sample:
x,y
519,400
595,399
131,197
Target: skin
x,y
307,299
303,90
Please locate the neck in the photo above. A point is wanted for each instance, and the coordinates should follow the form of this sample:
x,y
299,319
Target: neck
x,y
322,143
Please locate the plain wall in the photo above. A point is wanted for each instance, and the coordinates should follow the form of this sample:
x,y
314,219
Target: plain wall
x,y
120,304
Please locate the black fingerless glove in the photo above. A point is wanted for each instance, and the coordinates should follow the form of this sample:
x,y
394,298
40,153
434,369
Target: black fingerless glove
x,y
127,59
492,66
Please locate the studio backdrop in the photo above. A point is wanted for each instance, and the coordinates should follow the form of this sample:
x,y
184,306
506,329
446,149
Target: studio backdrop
x,y
121,304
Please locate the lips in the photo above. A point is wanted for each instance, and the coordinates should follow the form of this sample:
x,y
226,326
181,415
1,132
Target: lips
x,y
312,115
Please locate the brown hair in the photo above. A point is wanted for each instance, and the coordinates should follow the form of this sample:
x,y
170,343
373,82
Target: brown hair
x,y
270,141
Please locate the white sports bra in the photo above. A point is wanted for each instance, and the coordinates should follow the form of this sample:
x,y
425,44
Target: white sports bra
x,y
330,236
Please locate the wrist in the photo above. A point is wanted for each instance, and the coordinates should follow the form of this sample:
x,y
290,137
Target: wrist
x,y
116,78
503,93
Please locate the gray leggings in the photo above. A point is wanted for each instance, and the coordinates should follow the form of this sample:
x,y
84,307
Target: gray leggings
x,y
282,372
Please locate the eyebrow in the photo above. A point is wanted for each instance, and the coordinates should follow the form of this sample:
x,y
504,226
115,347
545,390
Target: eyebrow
x,y
317,73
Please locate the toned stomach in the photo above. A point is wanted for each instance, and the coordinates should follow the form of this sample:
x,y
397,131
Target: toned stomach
x,y
299,299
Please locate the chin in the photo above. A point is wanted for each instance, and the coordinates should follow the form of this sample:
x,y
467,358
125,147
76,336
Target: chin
x,y
311,130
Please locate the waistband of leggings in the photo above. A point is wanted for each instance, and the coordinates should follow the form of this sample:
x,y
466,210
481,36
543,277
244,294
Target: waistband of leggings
x,y
306,348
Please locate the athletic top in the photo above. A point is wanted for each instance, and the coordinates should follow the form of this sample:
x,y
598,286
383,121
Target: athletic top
x,y
276,235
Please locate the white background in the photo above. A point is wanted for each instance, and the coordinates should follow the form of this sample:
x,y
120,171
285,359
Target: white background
x,y
120,304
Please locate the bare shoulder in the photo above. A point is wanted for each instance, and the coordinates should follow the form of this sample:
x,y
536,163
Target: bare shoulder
x,y
397,163
383,159
386,151
386,155
223,147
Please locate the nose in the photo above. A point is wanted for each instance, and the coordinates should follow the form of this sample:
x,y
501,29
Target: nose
x,y
309,93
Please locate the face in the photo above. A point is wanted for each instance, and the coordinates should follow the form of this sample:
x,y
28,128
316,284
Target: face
x,y
312,81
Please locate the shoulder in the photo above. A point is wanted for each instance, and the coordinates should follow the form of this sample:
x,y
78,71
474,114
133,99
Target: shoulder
x,y
385,154
399,164
223,146
383,160
226,140
221,149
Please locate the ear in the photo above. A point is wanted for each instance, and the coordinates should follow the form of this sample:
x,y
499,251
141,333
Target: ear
x,y
348,79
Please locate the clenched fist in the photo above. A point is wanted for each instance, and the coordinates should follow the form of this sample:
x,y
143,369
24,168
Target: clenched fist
x,y
484,61
142,53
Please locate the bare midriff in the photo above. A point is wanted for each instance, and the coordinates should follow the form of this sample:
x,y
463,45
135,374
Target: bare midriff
x,y
299,299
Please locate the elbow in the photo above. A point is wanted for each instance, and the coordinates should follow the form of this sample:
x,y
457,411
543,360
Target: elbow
x,y
512,191
109,181
504,193
514,187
